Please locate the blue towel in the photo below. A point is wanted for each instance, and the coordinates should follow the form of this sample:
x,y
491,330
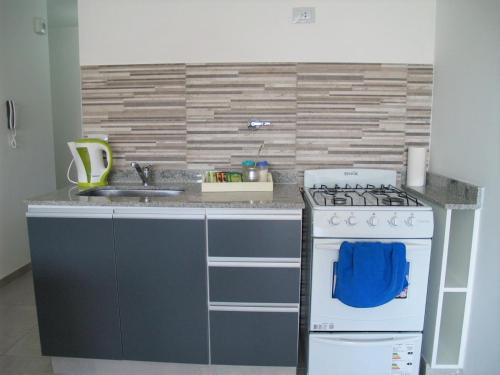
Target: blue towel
x,y
370,274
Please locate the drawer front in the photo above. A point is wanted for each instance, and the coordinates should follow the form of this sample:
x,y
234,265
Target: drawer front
x,y
250,338
254,238
251,284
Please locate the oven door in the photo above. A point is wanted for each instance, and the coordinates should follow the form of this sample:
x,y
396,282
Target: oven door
x,y
404,313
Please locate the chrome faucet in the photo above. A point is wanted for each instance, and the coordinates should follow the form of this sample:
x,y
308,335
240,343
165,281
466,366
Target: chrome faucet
x,y
144,173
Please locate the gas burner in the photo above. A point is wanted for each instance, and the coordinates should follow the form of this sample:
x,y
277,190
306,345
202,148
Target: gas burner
x,y
379,191
393,201
339,201
328,191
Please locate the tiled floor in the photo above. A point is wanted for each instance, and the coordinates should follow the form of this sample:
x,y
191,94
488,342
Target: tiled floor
x,y
19,342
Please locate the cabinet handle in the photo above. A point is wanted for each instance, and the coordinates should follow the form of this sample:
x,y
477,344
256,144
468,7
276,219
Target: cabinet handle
x,y
254,264
68,215
254,308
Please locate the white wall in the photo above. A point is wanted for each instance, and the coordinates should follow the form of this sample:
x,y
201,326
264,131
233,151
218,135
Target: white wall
x,y
65,80
28,170
164,31
465,144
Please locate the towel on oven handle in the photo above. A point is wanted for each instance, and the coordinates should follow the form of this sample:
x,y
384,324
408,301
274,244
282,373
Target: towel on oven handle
x,y
370,274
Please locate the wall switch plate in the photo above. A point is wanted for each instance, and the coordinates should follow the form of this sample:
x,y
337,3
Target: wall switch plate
x,y
103,137
39,26
304,15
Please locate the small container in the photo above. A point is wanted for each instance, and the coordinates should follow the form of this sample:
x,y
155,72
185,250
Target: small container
x,y
262,169
250,173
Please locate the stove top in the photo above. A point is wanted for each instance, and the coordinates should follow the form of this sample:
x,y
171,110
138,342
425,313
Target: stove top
x,y
363,203
367,195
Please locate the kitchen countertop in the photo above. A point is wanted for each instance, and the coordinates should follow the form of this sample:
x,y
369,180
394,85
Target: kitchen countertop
x,y
284,196
449,193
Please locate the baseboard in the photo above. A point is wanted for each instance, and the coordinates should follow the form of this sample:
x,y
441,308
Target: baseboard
x,y
14,275
84,366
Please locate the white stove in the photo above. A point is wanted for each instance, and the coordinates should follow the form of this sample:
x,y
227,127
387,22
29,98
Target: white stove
x,y
363,205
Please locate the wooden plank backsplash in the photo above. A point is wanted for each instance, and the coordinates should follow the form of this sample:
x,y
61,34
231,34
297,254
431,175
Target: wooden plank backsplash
x,y
323,114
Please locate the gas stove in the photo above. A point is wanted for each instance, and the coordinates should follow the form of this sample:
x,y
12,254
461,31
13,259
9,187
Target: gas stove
x,y
362,205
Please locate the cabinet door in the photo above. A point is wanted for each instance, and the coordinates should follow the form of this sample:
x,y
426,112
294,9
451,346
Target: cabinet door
x,y
162,280
75,286
254,338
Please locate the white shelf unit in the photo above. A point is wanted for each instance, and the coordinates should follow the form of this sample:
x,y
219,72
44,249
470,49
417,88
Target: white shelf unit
x,y
454,249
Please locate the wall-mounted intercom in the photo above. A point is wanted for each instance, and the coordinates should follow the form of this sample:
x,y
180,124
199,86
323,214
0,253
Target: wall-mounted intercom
x,y
11,122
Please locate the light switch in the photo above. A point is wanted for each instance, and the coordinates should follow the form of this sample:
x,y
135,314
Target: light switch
x,y
303,15
39,26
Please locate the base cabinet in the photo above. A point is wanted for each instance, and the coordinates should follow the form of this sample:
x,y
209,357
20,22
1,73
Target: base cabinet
x,y
75,286
254,338
161,287
162,281
254,283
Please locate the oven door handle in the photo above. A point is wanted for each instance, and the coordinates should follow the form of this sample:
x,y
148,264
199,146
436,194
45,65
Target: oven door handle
x,y
335,245
334,279
353,341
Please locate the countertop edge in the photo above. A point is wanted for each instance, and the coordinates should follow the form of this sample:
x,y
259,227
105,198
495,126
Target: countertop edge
x,y
282,206
287,196
449,193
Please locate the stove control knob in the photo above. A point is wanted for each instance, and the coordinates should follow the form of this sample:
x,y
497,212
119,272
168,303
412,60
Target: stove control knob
x,y
372,221
351,220
394,221
335,220
409,221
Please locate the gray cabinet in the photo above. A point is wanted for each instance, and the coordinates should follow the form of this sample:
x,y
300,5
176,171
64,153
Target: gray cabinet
x,y
254,288
254,238
141,284
162,282
254,284
255,338
75,286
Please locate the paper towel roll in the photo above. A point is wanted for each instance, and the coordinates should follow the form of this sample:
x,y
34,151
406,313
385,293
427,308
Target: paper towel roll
x,y
415,173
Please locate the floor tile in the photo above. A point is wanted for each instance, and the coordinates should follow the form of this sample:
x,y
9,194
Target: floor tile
x,y
15,323
28,346
18,292
14,365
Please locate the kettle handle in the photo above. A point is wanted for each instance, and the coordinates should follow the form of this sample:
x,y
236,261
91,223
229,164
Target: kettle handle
x,y
109,156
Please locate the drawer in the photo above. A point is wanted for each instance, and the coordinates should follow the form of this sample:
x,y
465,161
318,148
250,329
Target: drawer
x,y
252,284
254,238
253,338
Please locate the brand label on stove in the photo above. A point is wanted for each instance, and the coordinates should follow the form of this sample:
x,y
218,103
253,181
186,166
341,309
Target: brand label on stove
x,y
323,326
403,359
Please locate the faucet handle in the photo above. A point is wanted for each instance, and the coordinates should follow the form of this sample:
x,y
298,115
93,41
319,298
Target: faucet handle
x,y
147,170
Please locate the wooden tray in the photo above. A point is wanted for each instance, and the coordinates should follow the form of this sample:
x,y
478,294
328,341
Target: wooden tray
x,y
207,187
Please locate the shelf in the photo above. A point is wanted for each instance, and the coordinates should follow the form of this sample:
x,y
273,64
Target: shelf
x,y
451,277
455,290
459,249
450,333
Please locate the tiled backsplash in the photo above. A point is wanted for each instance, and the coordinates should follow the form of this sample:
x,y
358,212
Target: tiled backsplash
x,y
195,116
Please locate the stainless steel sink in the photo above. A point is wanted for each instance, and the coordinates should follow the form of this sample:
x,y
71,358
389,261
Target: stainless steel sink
x,y
138,192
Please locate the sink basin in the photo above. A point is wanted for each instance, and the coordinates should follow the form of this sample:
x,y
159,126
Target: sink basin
x,y
138,192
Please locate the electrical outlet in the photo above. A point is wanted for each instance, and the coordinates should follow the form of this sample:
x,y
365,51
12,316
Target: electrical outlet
x,y
303,15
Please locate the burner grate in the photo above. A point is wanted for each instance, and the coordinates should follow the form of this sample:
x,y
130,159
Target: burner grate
x,y
368,195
